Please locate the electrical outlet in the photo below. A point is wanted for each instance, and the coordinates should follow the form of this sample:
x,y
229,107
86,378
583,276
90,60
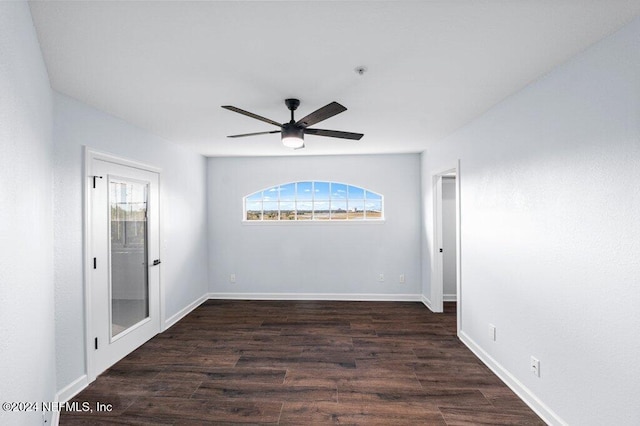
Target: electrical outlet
x,y
401,278
232,278
381,277
535,366
492,332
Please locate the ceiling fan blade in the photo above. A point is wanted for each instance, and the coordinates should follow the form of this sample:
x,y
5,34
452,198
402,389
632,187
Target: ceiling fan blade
x,y
252,115
321,114
334,134
254,134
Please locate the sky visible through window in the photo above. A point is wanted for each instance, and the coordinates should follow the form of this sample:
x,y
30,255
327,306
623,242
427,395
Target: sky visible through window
x,y
313,200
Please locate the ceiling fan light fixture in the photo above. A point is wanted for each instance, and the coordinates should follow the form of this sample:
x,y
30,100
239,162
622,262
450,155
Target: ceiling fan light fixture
x,y
292,136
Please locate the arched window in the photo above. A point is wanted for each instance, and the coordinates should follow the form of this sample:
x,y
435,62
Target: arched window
x,y
313,200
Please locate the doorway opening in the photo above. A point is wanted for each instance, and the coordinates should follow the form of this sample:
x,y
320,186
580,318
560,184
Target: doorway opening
x,y
446,293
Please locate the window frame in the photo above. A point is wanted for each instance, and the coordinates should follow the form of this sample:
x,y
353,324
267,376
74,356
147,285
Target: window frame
x,y
315,217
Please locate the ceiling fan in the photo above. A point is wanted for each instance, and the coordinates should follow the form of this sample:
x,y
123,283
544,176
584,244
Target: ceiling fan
x,y
292,133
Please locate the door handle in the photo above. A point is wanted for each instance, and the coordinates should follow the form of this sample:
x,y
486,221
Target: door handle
x,y
156,262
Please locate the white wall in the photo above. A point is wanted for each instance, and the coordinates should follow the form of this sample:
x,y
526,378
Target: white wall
x,y
550,198
184,273
449,238
27,357
329,259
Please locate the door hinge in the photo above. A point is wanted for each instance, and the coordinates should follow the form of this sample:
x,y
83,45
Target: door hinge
x,y
95,263
95,343
440,250
94,180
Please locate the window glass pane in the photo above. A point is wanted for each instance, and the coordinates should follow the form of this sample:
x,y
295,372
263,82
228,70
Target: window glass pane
x,y
271,194
338,191
254,210
305,210
321,190
338,209
322,215
374,209
305,191
288,192
373,196
321,210
257,196
321,200
129,289
356,192
287,210
356,209
287,215
270,210
287,205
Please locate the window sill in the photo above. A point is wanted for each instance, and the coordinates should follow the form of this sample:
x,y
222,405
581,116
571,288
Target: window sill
x,y
312,222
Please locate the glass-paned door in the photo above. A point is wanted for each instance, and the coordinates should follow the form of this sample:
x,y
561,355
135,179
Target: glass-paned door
x,y
123,261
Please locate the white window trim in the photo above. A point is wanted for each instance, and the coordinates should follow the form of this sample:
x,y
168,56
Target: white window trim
x,y
313,220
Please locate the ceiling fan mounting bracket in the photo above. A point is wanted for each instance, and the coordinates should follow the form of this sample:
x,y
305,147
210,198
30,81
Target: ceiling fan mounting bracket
x,y
292,104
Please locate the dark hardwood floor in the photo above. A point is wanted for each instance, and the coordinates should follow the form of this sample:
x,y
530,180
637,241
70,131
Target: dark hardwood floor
x,y
286,362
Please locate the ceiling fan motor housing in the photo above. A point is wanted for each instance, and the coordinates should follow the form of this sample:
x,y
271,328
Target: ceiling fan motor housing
x,y
292,130
292,133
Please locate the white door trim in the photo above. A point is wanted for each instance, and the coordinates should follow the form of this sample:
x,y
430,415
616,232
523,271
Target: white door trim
x,y
437,279
437,283
89,156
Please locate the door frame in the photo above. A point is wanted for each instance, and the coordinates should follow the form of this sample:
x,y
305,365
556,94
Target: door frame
x,y
90,155
437,270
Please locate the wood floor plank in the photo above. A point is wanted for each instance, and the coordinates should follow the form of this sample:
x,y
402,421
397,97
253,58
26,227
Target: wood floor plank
x,y
177,410
211,390
395,413
464,416
432,399
304,362
231,375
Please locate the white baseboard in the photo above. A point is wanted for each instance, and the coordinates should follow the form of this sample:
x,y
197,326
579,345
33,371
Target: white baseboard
x,y
184,312
426,302
72,389
449,298
319,296
539,407
68,392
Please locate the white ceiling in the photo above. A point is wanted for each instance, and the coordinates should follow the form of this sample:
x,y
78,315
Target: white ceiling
x,y
432,65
